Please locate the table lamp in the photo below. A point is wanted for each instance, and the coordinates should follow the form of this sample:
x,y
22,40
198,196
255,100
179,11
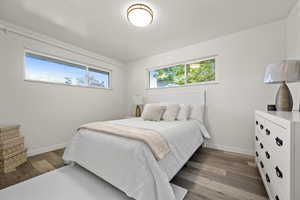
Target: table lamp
x,y
286,72
138,100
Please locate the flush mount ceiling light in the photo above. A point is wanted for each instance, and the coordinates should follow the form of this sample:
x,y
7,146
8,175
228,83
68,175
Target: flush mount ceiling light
x,y
140,15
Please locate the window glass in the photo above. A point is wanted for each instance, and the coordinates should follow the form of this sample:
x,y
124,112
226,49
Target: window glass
x,y
41,68
203,71
165,77
183,74
46,69
98,78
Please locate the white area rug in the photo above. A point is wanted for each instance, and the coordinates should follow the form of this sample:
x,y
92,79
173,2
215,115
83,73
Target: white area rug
x,y
69,183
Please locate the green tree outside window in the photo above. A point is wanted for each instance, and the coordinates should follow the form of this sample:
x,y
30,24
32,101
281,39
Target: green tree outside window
x,y
182,74
201,72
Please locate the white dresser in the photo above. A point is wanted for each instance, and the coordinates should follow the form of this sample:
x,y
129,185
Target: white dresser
x,y
277,146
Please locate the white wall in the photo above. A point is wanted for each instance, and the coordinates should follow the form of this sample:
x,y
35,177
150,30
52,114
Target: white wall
x,y
293,33
49,114
293,46
242,58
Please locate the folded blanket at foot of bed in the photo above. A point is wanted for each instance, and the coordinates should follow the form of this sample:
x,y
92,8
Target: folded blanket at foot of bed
x,y
158,144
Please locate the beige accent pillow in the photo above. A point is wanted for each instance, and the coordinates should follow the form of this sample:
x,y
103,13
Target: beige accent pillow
x,y
184,112
171,112
197,112
152,112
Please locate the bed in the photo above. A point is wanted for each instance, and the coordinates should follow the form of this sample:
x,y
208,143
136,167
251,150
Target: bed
x,y
129,165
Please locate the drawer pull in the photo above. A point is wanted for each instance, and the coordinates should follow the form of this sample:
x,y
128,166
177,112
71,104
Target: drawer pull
x,y
256,138
278,172
279,142
276,197
268,132
268,178
256,122
256,154
268,155
261,164
261,145
261,127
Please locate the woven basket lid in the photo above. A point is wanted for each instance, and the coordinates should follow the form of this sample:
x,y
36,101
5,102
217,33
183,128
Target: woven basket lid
x,y
8,128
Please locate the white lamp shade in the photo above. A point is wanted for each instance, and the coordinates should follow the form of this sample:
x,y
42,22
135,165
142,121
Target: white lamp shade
x,y
287,71
138,99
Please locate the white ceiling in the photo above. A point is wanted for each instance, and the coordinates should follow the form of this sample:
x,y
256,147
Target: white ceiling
x,y
101,25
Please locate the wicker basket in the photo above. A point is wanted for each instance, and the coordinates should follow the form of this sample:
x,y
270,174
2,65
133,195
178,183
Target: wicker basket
x,y
11,151
9,135
9,132
11,142
10,164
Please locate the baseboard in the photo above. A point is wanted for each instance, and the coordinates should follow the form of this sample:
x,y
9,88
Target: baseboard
x,y
41,150
230,149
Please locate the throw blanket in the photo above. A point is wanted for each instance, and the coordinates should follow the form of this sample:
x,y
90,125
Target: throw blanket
x,y
157,143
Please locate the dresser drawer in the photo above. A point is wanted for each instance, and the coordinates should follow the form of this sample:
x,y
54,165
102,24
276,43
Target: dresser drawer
x,y
278,187
260,127
259,150
262,132
277,136
274,193
280,175
270,190
260,137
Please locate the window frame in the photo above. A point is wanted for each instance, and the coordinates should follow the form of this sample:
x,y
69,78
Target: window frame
x,y
66,60
185,63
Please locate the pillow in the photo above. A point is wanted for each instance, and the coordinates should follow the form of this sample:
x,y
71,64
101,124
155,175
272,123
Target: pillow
x,y
171,112
152,112
184,112
197,112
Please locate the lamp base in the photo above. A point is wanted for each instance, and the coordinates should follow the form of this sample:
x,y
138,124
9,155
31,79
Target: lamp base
x,y
138,111
284,99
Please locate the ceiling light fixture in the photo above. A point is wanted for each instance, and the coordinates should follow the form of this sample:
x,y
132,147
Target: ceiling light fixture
x,y
140,15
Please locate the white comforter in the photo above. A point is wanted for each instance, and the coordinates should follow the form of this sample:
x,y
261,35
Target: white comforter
x,y
130,165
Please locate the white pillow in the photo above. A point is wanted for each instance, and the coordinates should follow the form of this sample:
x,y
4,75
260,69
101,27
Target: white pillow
x,y
197,112
171,113
152,112
184,112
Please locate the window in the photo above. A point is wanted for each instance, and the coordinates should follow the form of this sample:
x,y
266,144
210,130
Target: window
x,y
52,70
170,76
98,78
183,74
202,71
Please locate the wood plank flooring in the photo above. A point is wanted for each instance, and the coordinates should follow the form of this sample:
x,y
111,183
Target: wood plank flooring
x,y
35,166
209,175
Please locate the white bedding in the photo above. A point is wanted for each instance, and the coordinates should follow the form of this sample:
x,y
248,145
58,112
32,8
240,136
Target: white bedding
x,y
130,165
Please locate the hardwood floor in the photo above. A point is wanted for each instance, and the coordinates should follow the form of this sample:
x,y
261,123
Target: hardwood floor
x,y
35,166
218,175
209,175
